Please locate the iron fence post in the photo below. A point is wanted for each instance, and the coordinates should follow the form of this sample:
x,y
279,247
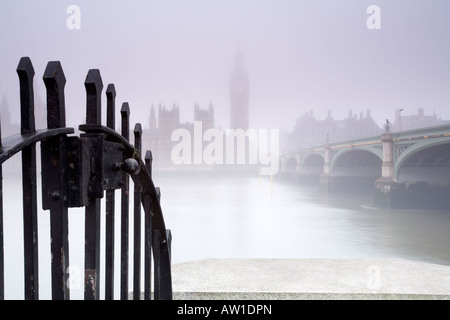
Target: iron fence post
x,y
25,71
94,86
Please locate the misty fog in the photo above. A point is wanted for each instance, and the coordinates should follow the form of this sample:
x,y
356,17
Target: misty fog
x,y
310,57
300,55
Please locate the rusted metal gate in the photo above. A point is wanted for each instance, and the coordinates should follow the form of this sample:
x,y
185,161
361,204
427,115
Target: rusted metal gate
x,y
78,171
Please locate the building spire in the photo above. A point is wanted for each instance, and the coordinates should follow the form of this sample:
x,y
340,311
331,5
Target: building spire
x,y
152,120
239,68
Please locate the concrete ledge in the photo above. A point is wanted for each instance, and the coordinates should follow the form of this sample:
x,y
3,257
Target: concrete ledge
x,y
310,279
300,296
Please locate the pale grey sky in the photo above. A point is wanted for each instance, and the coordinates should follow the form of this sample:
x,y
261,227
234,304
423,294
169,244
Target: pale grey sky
x,y
300,55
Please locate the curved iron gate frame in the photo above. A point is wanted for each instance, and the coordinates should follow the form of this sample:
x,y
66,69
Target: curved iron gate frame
x,y
73,176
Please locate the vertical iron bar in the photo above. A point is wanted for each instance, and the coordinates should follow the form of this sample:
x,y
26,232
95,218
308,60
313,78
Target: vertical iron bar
x,y
157,263
169,243
92,250
25,71
125,119
54,155
30,222
148,163
137,221
157,256
161,252
94,86
148,237
165,267
110,203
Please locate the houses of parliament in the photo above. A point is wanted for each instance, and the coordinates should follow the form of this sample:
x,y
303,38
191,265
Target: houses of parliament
x,y
157,137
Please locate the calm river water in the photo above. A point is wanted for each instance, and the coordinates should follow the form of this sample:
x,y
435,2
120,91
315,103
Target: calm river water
x,y
245,217
251,217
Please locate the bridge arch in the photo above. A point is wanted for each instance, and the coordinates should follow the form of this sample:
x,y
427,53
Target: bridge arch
x,y
313,164
424,161
357,162
290,164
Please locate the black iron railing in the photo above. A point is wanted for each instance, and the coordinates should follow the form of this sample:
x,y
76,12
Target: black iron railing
x,y
78,171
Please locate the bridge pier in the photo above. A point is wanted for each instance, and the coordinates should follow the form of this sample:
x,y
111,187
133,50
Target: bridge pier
x,y
393,194
384,193
298,165
385,185
326,179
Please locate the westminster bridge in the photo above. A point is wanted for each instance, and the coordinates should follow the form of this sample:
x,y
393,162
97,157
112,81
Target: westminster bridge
x,y
406,169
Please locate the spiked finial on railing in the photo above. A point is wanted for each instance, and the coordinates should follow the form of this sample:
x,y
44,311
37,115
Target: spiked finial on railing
x,y
125,113
138,137
25,71
55,81
94,86
111,106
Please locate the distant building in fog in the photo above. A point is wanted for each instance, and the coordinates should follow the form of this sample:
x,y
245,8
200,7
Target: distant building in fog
x,y
157,137
160,127
9,127
206,116
310,132
414,121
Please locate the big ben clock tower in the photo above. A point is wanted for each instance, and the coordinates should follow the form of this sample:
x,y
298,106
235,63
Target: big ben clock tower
x,y
239,95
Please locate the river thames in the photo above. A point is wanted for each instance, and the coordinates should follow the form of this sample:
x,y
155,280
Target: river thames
x,y
241,216
259,217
